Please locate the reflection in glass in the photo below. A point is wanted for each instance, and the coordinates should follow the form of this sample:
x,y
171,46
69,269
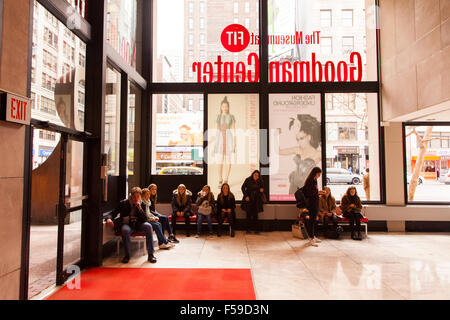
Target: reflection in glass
x,y
188,31
352,144
177,146
58,72
334,30
427,163
112,120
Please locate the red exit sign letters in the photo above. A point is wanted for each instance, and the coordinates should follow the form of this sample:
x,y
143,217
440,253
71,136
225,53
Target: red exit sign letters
x,y
15,108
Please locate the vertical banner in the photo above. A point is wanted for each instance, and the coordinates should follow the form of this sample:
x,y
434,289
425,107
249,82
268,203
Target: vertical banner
x,y
295,142
233,140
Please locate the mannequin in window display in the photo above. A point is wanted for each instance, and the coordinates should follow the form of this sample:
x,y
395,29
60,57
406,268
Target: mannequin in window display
x,y
225,141
307,154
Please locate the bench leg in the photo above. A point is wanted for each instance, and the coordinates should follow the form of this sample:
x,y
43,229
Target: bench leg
x,y
118,246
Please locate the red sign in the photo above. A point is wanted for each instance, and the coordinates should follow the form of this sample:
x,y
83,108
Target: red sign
x,y
15,108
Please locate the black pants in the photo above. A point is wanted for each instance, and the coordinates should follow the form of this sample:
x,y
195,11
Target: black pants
x,y
327,220
311,222
186,216
354,217
252,218
231,219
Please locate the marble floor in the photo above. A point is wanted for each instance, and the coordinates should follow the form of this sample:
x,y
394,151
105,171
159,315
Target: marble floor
x,y
384,266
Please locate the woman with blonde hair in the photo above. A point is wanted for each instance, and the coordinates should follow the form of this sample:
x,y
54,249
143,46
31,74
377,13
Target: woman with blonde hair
x,y
205,208
163,219
181,207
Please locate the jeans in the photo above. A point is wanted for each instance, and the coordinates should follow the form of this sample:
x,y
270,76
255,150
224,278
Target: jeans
x,y
200,220
311,222
354,216
231,218
159,232
164,220
143,227
186,216
327,219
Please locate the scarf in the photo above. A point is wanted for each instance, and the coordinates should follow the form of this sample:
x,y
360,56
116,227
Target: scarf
x,y
150,216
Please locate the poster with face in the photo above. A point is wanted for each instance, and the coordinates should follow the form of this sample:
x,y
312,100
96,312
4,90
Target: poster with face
x,y
233,140
295,142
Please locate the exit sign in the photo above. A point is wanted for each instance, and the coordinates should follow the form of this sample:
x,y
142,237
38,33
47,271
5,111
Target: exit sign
x,y
15,108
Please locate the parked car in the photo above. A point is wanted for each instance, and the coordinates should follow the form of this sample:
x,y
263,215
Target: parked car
x,y
419,181
335,175
181,171
446,178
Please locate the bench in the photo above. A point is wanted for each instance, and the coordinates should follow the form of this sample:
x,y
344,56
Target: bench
x,y
214,221
140,236
342,221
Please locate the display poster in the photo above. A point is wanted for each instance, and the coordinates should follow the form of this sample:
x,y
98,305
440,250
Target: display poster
x,y
233,140
295,142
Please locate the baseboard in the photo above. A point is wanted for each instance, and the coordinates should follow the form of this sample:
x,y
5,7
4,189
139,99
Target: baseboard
x,y
427,226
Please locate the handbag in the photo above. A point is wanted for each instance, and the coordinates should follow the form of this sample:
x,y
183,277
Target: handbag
x,y
299,231
205,209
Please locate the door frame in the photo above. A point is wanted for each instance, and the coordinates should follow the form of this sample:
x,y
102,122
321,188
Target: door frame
x,y
66,135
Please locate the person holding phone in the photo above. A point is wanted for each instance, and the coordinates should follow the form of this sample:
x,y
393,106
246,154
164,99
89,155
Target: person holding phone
x,y
181,207
351,207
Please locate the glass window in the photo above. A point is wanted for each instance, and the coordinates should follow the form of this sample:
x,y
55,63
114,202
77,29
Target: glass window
x,y
347,18
233,140
300,49
325,18
121,28
133,134
295,142
326,46
112,120
427,163
174,38
56,77
347,45
177,144
352,128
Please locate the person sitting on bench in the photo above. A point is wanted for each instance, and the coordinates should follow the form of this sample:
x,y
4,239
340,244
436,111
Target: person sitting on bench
x,y
351,207
164,220
226,205
132,219
163,243
327,212
205,208
181,207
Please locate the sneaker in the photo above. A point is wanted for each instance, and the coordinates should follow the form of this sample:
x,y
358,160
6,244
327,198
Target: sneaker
x,y
188,234
317,240
151,258
125,259
312,243
173,239
164,246
210,234
218,234
197,235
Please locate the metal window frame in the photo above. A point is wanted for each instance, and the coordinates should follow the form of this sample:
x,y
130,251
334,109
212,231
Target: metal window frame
x,y
263,88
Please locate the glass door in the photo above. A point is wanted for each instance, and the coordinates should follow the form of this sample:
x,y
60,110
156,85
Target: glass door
x,y
56,210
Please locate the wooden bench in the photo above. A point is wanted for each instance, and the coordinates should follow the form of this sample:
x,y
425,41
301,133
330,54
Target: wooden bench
x,y
214,221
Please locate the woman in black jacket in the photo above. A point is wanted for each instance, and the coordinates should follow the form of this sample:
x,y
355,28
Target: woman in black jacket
x,y
226,205
181,207
254,198
311,192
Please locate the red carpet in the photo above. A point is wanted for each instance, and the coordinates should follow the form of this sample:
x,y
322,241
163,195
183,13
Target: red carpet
x,y
161,284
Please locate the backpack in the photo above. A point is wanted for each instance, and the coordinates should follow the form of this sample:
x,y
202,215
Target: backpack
x,y
300,198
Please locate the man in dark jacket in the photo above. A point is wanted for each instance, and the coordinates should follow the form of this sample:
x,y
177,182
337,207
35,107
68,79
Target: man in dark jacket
x,y
132,219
